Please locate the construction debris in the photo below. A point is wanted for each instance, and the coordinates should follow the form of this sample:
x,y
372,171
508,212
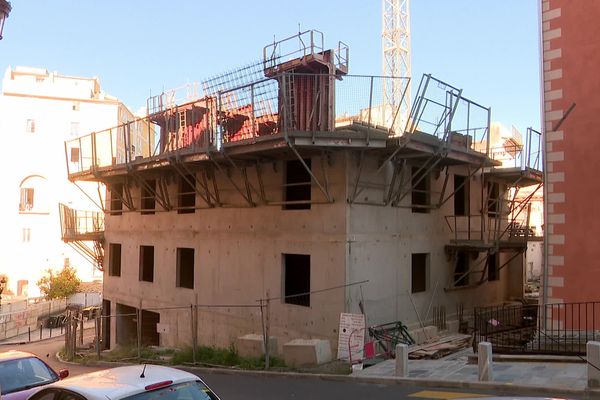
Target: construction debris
x,y
440,347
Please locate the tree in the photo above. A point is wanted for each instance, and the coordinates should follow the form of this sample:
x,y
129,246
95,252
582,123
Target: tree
x,y
59,285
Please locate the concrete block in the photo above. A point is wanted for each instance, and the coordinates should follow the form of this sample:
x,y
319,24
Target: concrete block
x,y
307,352
253,345
593,357
402,360
425,334
484,361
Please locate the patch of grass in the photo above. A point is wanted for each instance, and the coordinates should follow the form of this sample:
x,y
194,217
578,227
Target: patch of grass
x,y
222,357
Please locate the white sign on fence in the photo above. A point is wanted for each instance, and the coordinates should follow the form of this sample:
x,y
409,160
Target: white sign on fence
x,y
351,336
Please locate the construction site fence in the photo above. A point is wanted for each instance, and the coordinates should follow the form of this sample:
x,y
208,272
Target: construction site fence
x,y
253,109
561,328
210,325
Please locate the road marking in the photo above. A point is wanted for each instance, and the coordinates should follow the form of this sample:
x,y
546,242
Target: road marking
x,y
431,394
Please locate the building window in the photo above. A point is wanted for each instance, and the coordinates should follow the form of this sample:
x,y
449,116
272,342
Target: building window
x,y
148,197
75,106
116,199
420,191
419,272
461,195
296,278
185,268
493,271
26,235
493,203
114,260
26,202
186,196
297,185
74,154
147,263
461,269
74,128
30,127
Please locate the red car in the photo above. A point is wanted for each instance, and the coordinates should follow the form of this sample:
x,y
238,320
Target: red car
x,y
22,374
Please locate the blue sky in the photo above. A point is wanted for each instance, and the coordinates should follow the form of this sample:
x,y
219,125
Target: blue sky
x,y
489,48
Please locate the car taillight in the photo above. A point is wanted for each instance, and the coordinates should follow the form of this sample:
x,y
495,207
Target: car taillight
x,y
158,385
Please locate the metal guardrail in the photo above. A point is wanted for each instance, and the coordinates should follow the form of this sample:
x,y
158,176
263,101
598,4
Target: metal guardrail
x,y
562,328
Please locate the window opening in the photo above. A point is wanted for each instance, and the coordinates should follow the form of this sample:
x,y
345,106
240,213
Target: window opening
x,y
296,279
185,268
420,192
187,195
147,263
461,277
493,272
461,195
116,202
419,275
148,200
297,185
26,202
114,261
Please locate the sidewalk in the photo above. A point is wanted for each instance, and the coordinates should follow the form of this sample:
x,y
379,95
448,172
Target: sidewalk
x,y
532,372
46,333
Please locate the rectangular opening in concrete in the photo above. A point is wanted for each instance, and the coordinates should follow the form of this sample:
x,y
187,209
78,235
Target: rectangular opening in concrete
x,y
420,191
297,185
116,202
126,325
147,197
420,272
493,189
147,263
150,336
296,275
493,272
461,277
106,324
186,195
461,195
185,268
114,259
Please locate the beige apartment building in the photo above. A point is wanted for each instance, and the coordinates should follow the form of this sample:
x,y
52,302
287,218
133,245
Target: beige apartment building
x,y
274,183
39,111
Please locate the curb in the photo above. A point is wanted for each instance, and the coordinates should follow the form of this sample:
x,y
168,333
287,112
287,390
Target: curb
x,y
501,388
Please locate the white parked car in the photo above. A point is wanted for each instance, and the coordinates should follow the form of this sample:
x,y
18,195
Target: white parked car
x,y
134,382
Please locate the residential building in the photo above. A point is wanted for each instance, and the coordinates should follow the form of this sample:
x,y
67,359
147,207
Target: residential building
x,y
39,110
570,84
256,194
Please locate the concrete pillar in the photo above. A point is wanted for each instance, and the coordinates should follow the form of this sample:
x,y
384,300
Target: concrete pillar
x,y
484,360
402,360
593,359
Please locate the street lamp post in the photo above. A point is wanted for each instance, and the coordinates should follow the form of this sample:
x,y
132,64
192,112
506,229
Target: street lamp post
x,y
4,11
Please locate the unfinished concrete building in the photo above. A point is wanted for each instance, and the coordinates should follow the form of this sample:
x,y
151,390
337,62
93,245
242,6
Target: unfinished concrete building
x,y
279,181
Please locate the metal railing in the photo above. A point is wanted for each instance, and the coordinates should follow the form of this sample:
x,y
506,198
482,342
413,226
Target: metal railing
x,y
562,328
522,155
77,223
441,110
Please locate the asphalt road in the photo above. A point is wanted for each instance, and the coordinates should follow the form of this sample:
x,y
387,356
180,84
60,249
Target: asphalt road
x,y
240,386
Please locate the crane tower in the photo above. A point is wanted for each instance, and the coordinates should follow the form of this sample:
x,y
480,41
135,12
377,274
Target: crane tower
x,y
395,38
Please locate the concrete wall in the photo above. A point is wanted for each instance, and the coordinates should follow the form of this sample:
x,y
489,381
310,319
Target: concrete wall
x,y
381,241
238,260
25,316
570,39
